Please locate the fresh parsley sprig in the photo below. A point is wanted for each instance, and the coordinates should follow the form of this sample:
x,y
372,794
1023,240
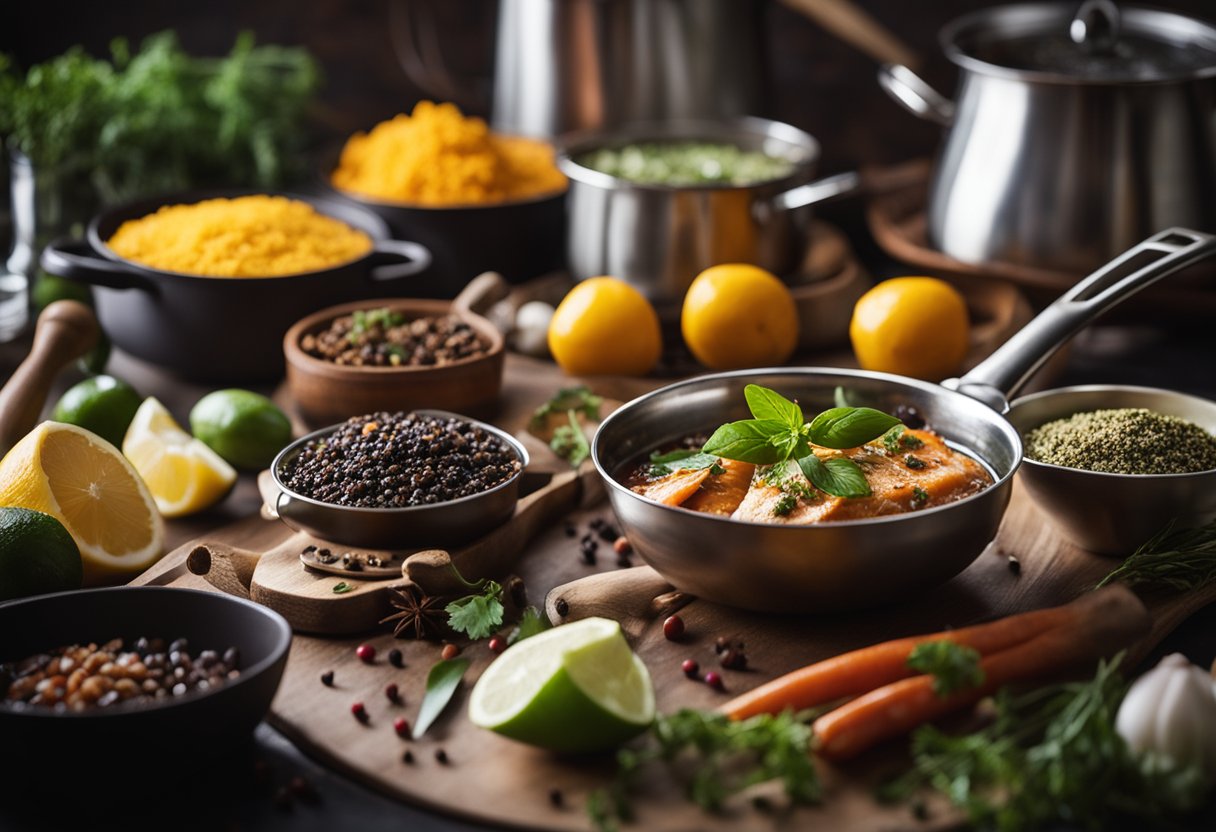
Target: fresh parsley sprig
x,y
478,614
952,666
779,432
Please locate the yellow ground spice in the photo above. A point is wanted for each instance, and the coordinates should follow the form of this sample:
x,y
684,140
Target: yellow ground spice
x,y
249,236
438,157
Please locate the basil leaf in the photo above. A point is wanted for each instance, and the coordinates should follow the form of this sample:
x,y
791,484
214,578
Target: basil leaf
x,y
839,477
771,405
848,427
841,397
673,456
692,461
750,440
441,684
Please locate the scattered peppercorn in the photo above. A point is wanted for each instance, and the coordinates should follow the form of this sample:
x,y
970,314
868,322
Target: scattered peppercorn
x,y
733,659
366,653
327,678
555,798
570,530
441,756
395,658
721,644
562,606
450,651
402,726
359,712
690,668
608,533
408,757
392,693
623,562
622,546
673,627
1015,565
384,338
497,644
1131,440
714,680
398,460
596,522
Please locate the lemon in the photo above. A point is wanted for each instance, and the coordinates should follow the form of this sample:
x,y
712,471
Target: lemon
x,y
576,688
243,427
605,327
85,483
912,326
183,474
102,404
37,555
737,316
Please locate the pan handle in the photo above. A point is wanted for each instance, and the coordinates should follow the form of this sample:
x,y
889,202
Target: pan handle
x,y
1002,373
399,259
75,260
911,92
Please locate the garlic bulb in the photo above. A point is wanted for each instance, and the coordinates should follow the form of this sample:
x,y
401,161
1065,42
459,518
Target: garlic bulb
x,y
1171,712
532,328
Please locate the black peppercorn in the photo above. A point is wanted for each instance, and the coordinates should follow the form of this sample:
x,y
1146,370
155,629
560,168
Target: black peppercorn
x,y
441,757
327,678
395,658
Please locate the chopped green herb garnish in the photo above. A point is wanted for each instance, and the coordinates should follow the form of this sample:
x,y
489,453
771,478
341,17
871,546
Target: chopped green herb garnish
x,y
569,442
341,587
568,398
952,666
919,496
915,463
911,441
784,505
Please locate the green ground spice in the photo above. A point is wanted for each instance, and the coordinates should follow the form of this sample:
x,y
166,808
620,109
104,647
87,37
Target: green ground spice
x,y
1124,441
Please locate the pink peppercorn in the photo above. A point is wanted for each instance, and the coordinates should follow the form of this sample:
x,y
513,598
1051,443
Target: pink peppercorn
x,y
366,653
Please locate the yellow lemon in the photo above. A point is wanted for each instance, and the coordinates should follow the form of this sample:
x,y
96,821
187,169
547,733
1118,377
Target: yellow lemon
x,y
605,327
736,316
913,326
85,483
183,474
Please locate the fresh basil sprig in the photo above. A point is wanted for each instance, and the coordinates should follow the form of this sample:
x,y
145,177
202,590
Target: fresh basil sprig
x,y
779,432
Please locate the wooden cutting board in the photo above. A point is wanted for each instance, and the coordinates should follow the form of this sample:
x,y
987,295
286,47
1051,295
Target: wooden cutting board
x,y
494,780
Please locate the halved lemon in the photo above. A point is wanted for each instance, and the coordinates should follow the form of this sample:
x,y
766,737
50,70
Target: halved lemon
x,y
85,483
183,474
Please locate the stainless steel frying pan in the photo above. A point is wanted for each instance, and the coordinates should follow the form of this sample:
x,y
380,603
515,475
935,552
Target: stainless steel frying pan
x,y
858,563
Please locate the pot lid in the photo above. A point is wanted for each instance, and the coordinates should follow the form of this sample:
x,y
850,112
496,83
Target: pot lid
x,y
1096,41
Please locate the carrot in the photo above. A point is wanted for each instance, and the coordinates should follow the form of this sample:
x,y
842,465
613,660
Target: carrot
x,y
1102,623
862,670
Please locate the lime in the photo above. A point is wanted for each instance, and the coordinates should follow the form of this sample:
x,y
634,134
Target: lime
x,y
243,427
101,404
576,688
49,288
93,362
37,555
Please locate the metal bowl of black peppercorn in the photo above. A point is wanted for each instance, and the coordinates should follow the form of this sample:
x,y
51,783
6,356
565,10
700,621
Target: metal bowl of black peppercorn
x,y
428,478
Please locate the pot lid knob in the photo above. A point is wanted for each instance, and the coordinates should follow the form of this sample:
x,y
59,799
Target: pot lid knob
x,y
1095,27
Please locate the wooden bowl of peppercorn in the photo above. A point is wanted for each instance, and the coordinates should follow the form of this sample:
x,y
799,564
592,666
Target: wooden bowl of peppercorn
x,y
394,354
1157,448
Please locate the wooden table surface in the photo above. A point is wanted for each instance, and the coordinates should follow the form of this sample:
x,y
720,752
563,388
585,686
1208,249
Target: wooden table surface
x,y
226,797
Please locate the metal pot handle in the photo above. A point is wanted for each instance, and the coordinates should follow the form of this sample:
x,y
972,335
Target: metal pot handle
x,y
912,93
75,260
821,190
404,259
1002,373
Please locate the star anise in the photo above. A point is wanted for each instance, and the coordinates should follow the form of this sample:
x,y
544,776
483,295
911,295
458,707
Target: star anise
x,y
422,614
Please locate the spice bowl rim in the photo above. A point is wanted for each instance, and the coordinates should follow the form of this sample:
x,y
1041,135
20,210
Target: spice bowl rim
x,y
1107,389
297,445
295,354
269,620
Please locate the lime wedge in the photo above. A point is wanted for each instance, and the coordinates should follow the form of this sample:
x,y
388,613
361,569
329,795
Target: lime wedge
x,y
576,688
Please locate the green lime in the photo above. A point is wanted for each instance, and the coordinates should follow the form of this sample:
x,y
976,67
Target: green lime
x,y
243,427
94,361
37,555
49,288
576,688
102,404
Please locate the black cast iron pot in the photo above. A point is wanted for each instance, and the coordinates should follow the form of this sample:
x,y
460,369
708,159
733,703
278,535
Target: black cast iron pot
x,y
226,329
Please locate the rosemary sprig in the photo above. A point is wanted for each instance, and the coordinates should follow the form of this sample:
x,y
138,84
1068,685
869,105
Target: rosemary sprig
x,y
1178,559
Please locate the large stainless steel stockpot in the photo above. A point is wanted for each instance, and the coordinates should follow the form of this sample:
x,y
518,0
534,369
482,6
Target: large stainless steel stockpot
x,y
659,237
1070,138
857,563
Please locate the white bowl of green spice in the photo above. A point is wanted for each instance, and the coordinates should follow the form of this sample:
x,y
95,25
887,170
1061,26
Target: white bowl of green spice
x,y
1156,451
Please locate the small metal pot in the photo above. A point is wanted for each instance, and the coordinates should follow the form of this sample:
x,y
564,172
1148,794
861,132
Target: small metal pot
x,y
1059,155
853,564
436,525
220,328
659,237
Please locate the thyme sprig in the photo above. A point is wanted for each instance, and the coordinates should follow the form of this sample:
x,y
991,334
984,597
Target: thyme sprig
x,y
1177,559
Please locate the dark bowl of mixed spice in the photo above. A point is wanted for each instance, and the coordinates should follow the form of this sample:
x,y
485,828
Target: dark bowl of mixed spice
x,y
392,354
151,676
1115,465
426,478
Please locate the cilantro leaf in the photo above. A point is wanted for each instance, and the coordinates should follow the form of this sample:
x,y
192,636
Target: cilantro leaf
x,y
478,615
569,442
953,666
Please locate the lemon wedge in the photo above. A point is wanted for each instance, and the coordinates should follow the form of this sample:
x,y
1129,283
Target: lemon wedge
x,y
183,474
85,483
